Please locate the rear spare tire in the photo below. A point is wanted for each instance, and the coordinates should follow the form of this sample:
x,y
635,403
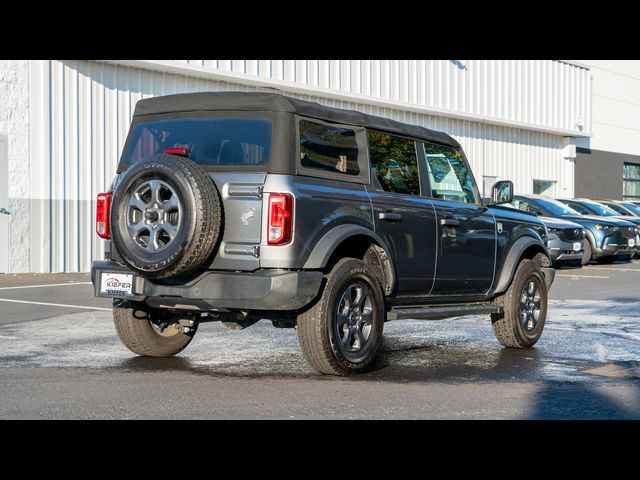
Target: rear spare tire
x,y
166,217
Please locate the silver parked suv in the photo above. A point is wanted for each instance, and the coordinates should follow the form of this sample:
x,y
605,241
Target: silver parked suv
x,y
237,207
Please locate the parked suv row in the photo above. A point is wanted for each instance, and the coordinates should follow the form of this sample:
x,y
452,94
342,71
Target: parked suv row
x,y
606,236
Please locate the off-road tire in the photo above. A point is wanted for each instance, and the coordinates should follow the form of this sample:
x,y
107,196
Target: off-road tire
x,y
201,217
507,327
133,324
317,327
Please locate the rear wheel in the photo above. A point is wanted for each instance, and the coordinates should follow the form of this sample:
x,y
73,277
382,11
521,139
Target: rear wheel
x,y
341,333
152,332
525,308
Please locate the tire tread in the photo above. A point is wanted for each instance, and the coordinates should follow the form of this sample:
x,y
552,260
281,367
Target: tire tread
x,y
505,326
312,324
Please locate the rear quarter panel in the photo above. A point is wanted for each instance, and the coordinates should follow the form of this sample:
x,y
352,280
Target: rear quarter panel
x,y
320,205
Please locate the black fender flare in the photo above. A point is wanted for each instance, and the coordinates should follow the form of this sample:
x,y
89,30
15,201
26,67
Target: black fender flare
x,y
333,238
512,260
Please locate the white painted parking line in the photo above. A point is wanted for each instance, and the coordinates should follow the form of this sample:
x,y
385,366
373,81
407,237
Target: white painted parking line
x,y
50,285
54,304
581,276
616,269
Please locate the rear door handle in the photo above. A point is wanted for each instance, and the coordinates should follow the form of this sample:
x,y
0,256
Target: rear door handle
x,y
390,216
449,222
5,211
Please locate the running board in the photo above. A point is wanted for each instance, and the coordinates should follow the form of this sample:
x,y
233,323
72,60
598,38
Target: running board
x,y
441,312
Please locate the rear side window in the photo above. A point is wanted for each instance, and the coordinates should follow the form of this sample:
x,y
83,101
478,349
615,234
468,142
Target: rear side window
x,y
211,141
328,148
394,162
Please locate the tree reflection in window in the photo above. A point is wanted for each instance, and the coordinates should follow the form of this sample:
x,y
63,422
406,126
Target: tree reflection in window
x,y
328,148
395,163
450,177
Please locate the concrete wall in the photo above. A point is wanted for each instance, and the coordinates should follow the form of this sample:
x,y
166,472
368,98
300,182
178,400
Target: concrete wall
x,y
14,123
599,174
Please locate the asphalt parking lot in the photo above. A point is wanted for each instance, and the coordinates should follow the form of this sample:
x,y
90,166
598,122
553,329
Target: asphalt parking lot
x,y
60,358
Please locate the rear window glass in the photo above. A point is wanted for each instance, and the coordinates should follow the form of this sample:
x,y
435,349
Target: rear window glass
x,y
211,141
328,148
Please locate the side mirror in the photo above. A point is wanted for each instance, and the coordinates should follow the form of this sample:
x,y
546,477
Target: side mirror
x,y
502,192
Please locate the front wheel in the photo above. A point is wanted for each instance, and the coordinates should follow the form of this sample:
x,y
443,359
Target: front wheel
x,y
152,332
341,333
525,308
588,252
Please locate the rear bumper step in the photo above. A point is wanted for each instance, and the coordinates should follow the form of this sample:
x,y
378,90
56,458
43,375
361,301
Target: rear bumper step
x,y
441,312
211,291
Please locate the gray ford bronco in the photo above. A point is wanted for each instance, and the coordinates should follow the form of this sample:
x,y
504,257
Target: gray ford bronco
x,y
236,207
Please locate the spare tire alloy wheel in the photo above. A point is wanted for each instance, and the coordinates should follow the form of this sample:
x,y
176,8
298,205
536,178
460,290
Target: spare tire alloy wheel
x,y
153,215
166,217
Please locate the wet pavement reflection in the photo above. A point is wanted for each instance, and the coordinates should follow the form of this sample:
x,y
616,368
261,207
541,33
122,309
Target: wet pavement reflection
x,y
583,342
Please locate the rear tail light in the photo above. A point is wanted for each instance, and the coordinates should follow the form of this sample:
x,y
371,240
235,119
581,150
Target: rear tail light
x,y
102,215
280,218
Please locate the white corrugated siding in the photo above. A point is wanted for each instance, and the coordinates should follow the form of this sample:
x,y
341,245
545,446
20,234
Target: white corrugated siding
x,y
81,110
547,93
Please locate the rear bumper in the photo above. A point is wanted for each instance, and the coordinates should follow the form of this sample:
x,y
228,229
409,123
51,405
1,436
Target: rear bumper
x,y
211,291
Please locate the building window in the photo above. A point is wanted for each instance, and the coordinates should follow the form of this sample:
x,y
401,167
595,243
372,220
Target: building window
x,y
394,162
631,182
544,187
328,148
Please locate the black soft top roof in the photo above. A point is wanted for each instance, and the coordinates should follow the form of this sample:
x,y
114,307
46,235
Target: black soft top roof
x,y
257,101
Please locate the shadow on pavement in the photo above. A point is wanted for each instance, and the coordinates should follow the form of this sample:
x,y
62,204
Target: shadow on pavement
x,y
626,299
464,362
176,363
573,401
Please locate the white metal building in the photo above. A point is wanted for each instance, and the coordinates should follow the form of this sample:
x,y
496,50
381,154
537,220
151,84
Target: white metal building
x,y
63,125
608,163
